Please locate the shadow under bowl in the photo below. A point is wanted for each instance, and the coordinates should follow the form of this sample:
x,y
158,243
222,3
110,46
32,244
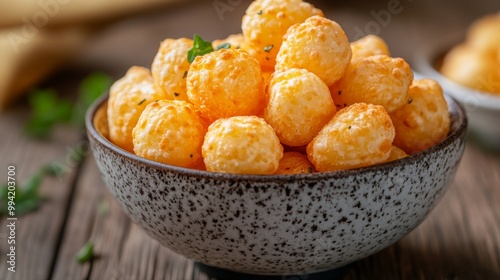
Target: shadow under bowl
x,y
277,224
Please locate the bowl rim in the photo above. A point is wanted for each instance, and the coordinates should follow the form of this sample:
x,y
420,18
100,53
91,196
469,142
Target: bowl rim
x,y
457,130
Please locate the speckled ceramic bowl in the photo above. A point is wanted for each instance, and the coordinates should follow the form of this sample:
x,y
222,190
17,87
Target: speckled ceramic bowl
x,y
277,224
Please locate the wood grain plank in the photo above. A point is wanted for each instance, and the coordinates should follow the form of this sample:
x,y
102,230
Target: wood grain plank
x,y
105,228
37,233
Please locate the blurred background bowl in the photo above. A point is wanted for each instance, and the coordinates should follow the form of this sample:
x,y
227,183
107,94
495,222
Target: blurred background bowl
x,y
483,108
276,224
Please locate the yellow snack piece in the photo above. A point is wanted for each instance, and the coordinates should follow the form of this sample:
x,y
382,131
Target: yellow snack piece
x,y
472,68
236,41
299,105
359,135
377,79
127,99
171,132
241,145
368,46
424,120
226,83
396,153
484,34
295,163
170,67
318,45
266,21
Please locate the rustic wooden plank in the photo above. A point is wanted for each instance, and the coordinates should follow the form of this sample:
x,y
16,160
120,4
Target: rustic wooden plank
x,y
89,220
37,233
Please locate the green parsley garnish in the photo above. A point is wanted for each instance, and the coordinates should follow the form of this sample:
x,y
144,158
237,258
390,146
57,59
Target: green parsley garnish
x,y
259,12
268,48
224,46
86,253
48,109
142,101
185,74
200,47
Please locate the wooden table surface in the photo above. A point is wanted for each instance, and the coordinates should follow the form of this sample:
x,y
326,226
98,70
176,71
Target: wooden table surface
x,y
459,240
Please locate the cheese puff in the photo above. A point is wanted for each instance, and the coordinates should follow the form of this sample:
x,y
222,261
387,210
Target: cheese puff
x,y
226,83
368,46
242,145
359,135
318,45
127,99
171,132
396,153
424,120
378,79
265,23
235,41
170,67
295,163
299,105
484,34
471,68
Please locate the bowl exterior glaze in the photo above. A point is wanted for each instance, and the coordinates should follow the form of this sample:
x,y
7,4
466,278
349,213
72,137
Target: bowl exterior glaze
x,y
279,224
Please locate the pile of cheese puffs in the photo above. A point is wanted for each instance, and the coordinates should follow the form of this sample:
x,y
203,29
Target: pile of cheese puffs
x,y
289,94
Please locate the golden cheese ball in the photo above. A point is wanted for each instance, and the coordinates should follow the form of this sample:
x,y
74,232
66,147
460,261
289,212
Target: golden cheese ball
x,y
359,135
127,99
299,105
235,41
226,83
318,45
295,163
396,153
170,67
171,132
241,145
424,120
368,46
378,79
484,34
265,23
471,68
